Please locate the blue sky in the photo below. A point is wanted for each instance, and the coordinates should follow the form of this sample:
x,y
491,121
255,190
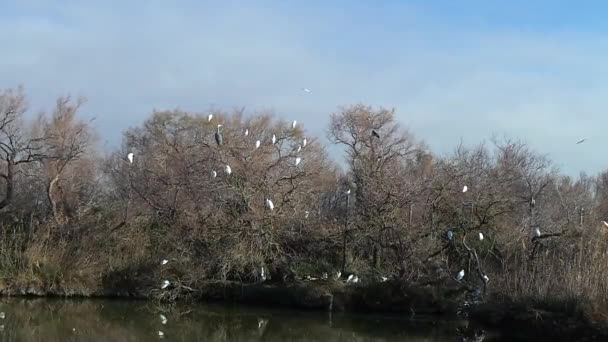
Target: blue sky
x,y
535,71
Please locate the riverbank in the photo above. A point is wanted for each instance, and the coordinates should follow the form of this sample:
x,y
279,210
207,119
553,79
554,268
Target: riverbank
x,y
387,297
559,321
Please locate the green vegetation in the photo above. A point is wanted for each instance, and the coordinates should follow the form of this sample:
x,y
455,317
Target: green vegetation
x,y
76,222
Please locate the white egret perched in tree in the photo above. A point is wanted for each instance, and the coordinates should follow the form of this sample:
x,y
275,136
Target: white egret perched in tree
x,y
257,144
219,139
161,334
269,204
306,213
164,262
450,235
480,236
263,274
605,223
348,192
130,157
465,188
294,123
304,142
460,275
485,278
298,160
213,174
163,319
209,117
227,169
274,139
350,278
299,148
246,131
338,275
537,232
383,279
165,284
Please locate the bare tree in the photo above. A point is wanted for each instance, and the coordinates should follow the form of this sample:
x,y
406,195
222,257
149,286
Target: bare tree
x,y
17,147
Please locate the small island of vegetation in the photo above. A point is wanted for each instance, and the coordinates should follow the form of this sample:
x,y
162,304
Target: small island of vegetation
x,y
261,214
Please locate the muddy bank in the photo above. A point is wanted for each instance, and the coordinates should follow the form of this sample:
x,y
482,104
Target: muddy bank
x,y
389,297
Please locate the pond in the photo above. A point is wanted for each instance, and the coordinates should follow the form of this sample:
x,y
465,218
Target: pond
x,y
23,319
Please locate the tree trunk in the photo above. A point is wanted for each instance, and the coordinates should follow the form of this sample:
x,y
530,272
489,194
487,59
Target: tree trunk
x,y
49,192
9,178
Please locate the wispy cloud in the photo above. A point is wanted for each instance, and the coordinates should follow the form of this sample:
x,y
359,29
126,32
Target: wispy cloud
x,y
447,80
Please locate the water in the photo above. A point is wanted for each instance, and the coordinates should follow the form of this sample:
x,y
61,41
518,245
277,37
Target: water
x,y
117,320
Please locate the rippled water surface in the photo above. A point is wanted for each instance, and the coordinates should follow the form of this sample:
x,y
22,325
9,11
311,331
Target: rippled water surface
x,y
117,320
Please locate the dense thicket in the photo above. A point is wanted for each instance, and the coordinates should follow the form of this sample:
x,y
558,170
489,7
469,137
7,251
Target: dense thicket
x,y
75,218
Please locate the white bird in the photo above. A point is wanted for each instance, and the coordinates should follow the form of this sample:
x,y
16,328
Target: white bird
x,y
246,131
164,262
460,275
263,274
262,322
257,144
304,142
299,148
480,236
324,276
163,319
355,280
605,223
485,278
213,174
450,235
130,157
294,123
161,334
274,139
306,213
269,204
298,160
537,232
348,192
306,90
581,141
165,284
227,169
465,188
209,117
338,275
383,279
2,315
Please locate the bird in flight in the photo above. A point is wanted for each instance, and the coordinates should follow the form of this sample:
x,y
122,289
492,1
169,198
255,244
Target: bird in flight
x,y
581,141
306,90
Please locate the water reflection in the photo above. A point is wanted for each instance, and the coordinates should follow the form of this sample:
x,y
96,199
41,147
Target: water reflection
x,y
114,320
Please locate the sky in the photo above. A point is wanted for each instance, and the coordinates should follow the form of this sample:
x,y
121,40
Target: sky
x,y
453,70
